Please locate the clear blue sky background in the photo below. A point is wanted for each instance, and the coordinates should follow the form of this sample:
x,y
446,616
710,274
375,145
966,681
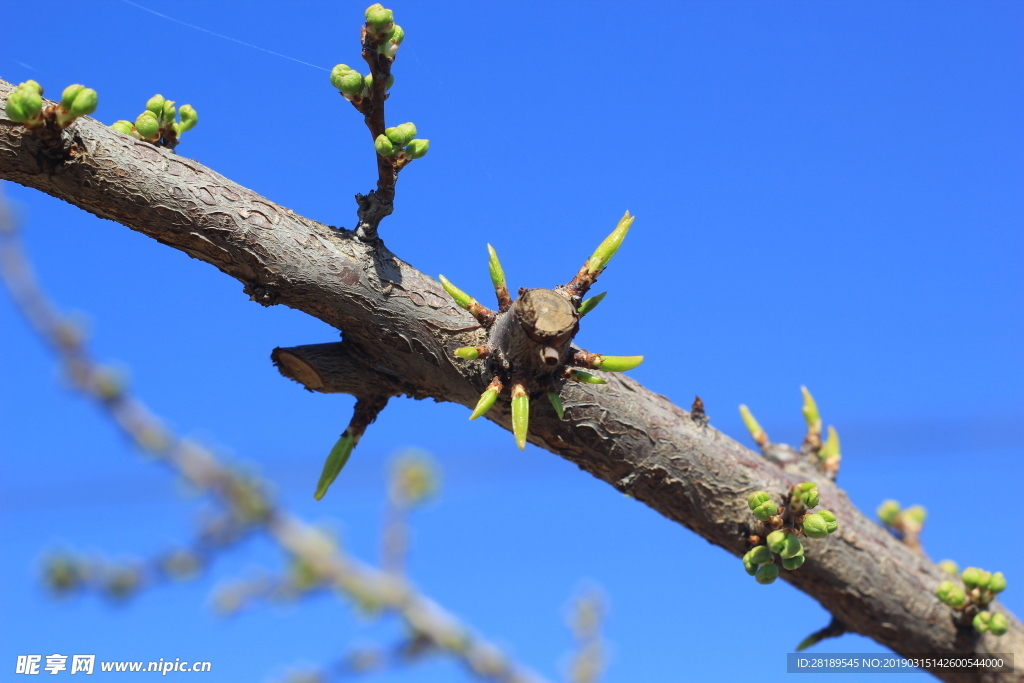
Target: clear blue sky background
x,y
827,194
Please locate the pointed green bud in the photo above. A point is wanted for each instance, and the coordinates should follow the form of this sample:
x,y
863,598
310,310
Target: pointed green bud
x,y
384,146
169,110
467,352
888,511
619,363
765,511
84,103
982,621
379,18
950,593
335,462
125,127
777,540
972,576
791,547
417,148
916,513
950,567
189,118
461,298
998,624
68,96
810,411
758,498
767,574
556,403
748,565
32,86
794,562
520,414
830,520
997,584
590,304
815,526
606,250
487,400
495,269
830,448
155,104
585,377
758,434
148,126
347,80
401,135
760,554
23,105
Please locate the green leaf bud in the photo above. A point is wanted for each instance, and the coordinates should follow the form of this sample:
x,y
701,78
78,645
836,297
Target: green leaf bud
x,y
396,35
487,400
756,432
815,526
748,565
951,594
760,554
147,126
31,86
85,103
494,269
791,547
998,624
467,352
607,249
888,511
807,486
336,460
125,127
417,148
810,411
950,567
973,576
997,584
757,498
520,414
917,514
68,96
379,18
794,562
765,511
830,520
347,80
767,574
585,377
368,82
810,497
619,363
401,135
590,304
189,118
777,540
384,146
23,105
830,449
982,621
389,47
169,110
155,104
556,403
461,298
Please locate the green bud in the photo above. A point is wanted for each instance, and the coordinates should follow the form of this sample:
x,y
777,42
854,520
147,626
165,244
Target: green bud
x,y
396,35
368,81
155,104
379,18
347,80
950,567
384,146
810,497
791,547
147,126
815,526
125,127
916,513
85,103
417,148
973,576
888,511
169,110
336,460
31,86
950,593
461,298
810,411
68,96
807,486
767,574
401,135
189,118
520,414
998,624
556,403
830,520
467,352
760,554
590,304
23,105
777,540
389,47
487,400
997,584
982,621
794,562
757,498
766,510
830,448
619,363
495,269
748,565
758,434
585,377
606,250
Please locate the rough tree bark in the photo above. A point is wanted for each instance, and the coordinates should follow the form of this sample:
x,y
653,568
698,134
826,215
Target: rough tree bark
x,y
399,330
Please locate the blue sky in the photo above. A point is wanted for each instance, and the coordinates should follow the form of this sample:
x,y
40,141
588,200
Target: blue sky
x,y
828,194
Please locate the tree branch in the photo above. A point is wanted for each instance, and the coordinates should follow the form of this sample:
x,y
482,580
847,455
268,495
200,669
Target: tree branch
x,y
400,325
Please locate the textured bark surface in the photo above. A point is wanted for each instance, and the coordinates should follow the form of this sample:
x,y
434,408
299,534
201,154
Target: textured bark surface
x,y
400,328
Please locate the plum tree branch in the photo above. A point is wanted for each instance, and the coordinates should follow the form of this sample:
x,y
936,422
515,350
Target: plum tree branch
x,y
400,328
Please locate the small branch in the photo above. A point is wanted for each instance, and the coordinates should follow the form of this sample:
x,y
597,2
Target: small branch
x,y
379,203
835,629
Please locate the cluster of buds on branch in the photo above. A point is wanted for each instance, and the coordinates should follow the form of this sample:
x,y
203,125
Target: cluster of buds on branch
x,y
529,345
782,525
981,588
824,455
905,524
24,105
157,124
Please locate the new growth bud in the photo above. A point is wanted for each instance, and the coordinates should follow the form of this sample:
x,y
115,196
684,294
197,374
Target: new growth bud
x,y
997,584
347,80
461,298
606,250
401,135
189,118
811,415
982,621
998,624
590,304
336,460
777,540
618,363
791,547
417,148
148,126
385,148
888,511
126,127
520,414
585,377
767,574
760,554
815,526
467,352
379,19
556,403
831,522
487,400
758,434
974,577
24,104
950,567
951,594
762,506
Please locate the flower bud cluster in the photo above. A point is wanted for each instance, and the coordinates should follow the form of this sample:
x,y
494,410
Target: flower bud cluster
x,y
25,105
381,26
788,521
157,125
979,589
400,143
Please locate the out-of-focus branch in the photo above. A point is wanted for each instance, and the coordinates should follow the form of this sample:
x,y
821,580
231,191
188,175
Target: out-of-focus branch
x,y
247,501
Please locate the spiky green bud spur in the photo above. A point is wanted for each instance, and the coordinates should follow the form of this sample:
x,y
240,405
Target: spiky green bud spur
x,y
467,352
461,298
756,432
336,460
618,363
810,411
417,149
606,250
520,414
556,403
585,377
487,400
590,304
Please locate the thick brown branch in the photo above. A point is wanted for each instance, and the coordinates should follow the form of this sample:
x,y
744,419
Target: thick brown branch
x,y
400,325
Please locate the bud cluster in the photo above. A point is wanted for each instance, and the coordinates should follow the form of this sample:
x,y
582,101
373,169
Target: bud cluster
x,y
788,522
25,105
979,589
157,125
400,144
823,455
904,523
